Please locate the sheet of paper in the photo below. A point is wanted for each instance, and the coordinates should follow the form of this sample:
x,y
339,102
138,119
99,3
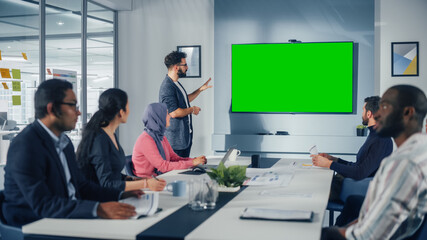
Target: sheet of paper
x,y
284,193
16,100
146,205
5,73
16,86
309,166
251,172
16,73
269,178
313,150
277,214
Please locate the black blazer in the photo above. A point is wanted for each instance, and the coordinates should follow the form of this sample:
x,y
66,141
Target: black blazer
x,y
35,185
178,133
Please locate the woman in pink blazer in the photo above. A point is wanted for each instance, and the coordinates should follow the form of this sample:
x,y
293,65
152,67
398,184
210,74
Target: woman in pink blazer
x,y
152,153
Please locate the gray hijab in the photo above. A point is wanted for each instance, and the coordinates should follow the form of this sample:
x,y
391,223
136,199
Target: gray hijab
x,y
154,120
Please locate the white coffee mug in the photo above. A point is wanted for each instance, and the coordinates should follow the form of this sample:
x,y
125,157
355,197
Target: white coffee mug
x,y
234,155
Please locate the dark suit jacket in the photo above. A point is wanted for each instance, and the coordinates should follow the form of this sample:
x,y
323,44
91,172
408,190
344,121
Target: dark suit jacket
x,y
178,133
35,185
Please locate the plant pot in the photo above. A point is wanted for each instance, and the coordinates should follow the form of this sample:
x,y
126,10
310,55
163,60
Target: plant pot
x,y
361,132
228,189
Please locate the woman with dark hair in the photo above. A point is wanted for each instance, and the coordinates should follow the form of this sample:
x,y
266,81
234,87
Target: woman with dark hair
x,y
152,152
99,155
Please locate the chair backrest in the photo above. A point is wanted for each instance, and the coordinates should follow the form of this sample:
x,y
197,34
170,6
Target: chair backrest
x,y
421,233
129,166
8,232
353,187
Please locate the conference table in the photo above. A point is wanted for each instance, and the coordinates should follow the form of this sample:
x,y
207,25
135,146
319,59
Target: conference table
x,y
308,190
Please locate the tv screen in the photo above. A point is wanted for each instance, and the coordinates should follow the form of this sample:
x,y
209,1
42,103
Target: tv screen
x,y
292,77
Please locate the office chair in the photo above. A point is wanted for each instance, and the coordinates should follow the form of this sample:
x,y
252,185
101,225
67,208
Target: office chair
x,y
349,187
421,233
129,166
8,232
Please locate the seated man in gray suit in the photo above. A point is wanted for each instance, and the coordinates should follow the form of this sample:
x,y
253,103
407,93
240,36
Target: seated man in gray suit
x,y
173,94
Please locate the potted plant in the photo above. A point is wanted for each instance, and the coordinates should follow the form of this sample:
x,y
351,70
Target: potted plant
x,y
228,178
361,130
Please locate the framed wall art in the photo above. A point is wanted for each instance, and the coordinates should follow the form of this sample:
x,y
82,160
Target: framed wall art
x,y
193,60
404,59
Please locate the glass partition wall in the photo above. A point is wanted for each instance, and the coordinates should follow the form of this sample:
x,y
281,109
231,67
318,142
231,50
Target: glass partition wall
x,y
90,65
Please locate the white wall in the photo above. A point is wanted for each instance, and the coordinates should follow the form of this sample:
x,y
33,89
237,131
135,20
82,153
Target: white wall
x,y
147,34
399,21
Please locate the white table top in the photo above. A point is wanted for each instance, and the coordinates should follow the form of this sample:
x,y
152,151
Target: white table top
x,y
225,223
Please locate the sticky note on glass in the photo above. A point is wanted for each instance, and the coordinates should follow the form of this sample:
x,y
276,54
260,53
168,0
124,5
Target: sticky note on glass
x,y
16,100
5,85
24,55
16,74
0,55
313,150
5,72
16,86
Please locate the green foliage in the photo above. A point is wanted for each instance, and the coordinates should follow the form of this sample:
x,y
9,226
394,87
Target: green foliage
x,y
360,126
232,176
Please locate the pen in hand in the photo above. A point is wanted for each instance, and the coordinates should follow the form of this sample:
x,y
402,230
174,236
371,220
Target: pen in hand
x,y
155,177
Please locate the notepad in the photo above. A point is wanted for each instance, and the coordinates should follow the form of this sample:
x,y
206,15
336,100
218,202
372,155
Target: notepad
x,y
277,214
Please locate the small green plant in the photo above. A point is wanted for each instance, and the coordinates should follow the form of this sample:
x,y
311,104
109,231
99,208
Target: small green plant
x,y
360,127
232,176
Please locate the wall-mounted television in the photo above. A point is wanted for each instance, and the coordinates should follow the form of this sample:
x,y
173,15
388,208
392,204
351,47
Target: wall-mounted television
x,y
293,77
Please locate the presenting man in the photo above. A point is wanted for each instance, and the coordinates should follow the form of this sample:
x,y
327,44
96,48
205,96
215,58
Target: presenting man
x,y
42,179
395,204
368,159
173,94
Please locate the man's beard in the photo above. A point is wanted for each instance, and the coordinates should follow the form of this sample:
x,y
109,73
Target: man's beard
x,y
365,121
181,73
392,126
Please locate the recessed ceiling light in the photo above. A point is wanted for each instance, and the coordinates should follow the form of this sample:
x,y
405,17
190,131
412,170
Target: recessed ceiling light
x,y
8,46
60,23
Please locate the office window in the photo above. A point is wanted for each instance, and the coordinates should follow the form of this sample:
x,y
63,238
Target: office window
x,y
19,24
19,46
100,54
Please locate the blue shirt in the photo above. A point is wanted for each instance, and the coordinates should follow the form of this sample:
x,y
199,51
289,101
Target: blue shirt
x,y
60,144
368,159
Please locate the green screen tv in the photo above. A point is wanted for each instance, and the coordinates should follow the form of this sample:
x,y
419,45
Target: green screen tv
x,y
293,78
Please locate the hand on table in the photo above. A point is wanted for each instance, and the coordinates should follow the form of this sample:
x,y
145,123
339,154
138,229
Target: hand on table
x,y
320,161
156,185
115,210
132,193
329,156
199,160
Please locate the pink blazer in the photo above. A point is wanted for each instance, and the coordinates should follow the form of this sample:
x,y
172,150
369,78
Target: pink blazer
x,y
146,157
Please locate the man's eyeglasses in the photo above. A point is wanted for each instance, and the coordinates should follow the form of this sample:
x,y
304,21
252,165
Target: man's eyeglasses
x,y
183,64
73,105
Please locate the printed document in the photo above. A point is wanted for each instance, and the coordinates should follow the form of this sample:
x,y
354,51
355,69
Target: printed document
x,y
269,176
146,205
